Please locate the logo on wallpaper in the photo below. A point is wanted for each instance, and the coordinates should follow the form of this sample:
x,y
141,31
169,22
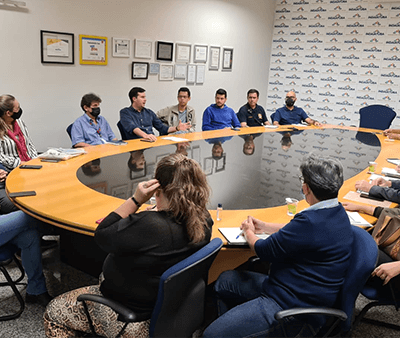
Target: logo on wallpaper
x,y
310,77
343,110
351,56
348,79
309,85
300,9
336,17
318,9
295,54
375,32
325,108
308,99
367,88
335,24
312,62
334,40
353,40
316,25
300,17
338,1
307,106
394,24
369,72
299,32
315,40
329,70
275,89
268,160
275,96
298,24
374,40
302,152
297,47
276,82
283,2
281,32
301,2
294,76
354,32
316,32
278,61
345,94
297,39
326,101
364,104
329,78
355,24
282,17
357,154
332,55
377,16
347,87
279,68
387,91
311,70
279,40
370,65
333,48
313,55
345,103
281,25
372,50
387,98
321,149
376,24
274,102
396,32
396,41
391,65
380,6
276,75
349,64
358,8
279,47
356,16
279,54
352,47
335,32
368,81
371,57
324,115
331,64
365,97
294,62
314,47
395,8
283,10
391,74
293,69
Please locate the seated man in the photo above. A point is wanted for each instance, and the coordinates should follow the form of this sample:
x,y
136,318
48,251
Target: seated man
x,y
219,115
309,258
291,114
91,129
251,114
138,121
181,112
381,188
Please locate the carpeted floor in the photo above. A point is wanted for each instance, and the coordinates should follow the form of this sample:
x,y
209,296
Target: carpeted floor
x,y
61,278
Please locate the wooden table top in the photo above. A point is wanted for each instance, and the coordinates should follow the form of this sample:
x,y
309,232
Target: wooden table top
x,y
62,200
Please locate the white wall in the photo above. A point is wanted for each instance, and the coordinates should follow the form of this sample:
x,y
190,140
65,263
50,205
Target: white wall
x,y
50,94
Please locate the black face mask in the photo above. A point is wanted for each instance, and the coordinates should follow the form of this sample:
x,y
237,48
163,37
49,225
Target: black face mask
x,y
289,102
17,115
95,112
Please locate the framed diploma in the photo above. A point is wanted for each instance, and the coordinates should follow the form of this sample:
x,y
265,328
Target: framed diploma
x,y
154,68
191,74
200,53
143,49
180,71
166,72
164,51
182,52
121,48
227,58
140,70
93,50
213,60
57,47
200,74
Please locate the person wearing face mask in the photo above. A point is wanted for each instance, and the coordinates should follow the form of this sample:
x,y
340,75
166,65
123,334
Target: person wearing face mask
x,y
91,129
291,114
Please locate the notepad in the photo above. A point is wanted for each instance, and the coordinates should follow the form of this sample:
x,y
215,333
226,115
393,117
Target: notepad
x,y
270,126
356,219
231,233
175,139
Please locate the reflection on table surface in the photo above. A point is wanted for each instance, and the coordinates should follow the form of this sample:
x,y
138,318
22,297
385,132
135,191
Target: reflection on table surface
x,y
245,172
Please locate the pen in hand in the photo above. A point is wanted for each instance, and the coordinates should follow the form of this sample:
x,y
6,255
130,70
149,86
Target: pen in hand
x,y
240,234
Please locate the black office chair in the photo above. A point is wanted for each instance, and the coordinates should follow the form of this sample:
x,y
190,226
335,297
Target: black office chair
x,y
121,129
376,116
69,129
7,252
362,262
179,309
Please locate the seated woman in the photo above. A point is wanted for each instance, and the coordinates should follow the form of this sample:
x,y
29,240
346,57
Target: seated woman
x,y
387,269
141,247
20,230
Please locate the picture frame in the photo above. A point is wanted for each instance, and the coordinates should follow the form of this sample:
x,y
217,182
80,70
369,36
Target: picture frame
x,y
151,169
191,74
143,49
213,63
182,52
93,50
165,51
138,174
200,53
200,74
57,47
120,191
140,70
166,72
121,48
154,68
180,71
100,187
208,165
227,58
220,163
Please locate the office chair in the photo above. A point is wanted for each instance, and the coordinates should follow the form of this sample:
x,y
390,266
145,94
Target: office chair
x,y
69,129
272,118
376,116
7,252
179,309
362,262
124,136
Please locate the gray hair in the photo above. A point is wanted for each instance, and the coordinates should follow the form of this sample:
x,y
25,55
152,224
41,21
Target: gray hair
x,y
324,176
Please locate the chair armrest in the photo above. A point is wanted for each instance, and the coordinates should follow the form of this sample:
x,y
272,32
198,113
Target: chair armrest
x,y
124,314
312,310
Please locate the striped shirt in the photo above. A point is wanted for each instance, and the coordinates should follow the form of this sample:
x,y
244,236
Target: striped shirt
x,y
8,149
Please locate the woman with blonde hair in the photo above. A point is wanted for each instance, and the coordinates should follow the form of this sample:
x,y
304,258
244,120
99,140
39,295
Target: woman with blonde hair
x,y
141,247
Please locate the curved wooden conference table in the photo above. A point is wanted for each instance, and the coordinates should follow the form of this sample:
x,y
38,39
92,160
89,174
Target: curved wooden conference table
x,y
63,201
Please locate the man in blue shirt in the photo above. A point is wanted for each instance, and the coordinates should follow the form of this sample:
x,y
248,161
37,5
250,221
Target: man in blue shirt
x,y
91,129
219,115
138,121
251,114
290,114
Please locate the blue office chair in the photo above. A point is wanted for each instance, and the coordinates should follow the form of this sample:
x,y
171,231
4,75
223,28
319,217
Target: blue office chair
x,y
376,116
272,117
7,252
69,129
179,309
124,135
362,262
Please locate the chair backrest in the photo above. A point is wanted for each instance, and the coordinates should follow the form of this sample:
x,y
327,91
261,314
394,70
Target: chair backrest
x,y
124,136
376,116
179,309
69,129
363,260
272,117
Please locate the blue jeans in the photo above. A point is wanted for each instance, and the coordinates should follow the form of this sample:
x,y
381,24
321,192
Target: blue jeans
x,y
20,230
243,308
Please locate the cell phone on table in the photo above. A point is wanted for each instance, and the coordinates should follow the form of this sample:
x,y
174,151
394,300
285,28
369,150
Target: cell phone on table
x,y
30,166
47,160
146,140
364,194
22,193
235,129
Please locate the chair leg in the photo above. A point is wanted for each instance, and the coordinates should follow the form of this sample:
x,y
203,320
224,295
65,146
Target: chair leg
x,y
11,283
360,317
21,269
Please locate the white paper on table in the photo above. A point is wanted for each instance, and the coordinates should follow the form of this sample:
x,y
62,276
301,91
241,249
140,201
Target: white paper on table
x,y
356,219
270,126
389,171
175,139
392,161
231,233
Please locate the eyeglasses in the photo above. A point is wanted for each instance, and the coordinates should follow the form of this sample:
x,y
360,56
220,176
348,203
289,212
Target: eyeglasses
x,y
183,97
290,97
301,180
